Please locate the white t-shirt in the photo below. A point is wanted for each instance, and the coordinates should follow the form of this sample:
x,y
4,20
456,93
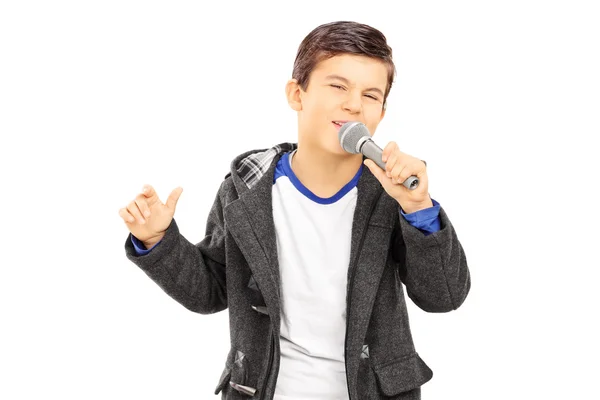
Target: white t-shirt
x,y
313,243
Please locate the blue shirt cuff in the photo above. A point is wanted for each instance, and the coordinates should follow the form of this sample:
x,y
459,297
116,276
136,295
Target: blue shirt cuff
x,y
426,220
139,247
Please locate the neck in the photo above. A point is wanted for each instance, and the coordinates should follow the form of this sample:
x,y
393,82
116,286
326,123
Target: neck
x,y
322,171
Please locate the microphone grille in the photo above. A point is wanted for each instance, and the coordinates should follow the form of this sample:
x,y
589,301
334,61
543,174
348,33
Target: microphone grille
x,y
350,134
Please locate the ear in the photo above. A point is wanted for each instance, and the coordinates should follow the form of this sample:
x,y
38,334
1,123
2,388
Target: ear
x,y
292,92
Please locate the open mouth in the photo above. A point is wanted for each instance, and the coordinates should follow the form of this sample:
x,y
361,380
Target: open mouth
x,y
338,124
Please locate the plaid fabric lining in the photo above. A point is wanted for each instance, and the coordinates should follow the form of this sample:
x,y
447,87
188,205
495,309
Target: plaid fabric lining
x,y
253,167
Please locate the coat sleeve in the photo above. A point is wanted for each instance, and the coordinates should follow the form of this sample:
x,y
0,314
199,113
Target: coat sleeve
x,y
192,274
432,267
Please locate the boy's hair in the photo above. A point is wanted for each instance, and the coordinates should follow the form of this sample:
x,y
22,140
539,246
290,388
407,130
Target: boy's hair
x,y
342,37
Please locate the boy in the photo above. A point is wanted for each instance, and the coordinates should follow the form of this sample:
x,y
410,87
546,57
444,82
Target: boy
x,y
308,249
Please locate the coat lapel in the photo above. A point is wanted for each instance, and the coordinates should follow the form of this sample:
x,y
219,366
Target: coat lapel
x,y
368,257
250,221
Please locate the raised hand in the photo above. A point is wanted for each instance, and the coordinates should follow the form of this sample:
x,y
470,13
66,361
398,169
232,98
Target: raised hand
x,y
147,218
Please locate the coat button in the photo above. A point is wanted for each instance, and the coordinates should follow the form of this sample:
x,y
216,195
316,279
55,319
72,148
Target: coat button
x,y
365,351
260,309
243,389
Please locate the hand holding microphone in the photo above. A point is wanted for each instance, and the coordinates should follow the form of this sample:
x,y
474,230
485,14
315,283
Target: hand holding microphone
x,y
400,174
355,138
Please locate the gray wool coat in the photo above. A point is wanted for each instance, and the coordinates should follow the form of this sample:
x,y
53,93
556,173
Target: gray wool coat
x,y
235,266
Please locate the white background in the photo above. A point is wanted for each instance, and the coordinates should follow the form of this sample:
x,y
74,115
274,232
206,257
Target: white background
x,y
97,98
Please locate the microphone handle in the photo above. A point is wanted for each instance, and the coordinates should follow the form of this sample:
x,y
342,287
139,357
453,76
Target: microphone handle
x,y
374,152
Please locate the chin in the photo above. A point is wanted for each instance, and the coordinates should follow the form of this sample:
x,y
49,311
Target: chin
x,y
334,146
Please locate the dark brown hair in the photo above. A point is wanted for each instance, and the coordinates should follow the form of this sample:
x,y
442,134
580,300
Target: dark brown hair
x,y
342,37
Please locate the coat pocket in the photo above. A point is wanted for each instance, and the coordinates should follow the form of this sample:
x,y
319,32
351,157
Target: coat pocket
x,y
402,374
223,380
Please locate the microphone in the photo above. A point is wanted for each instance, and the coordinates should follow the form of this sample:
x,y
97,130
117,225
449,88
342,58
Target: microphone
x,y
355,138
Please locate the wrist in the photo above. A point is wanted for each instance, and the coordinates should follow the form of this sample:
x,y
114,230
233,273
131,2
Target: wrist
x,y
149,243
411,208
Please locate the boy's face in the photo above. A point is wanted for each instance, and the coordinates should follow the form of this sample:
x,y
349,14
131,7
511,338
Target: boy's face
x,y
346,87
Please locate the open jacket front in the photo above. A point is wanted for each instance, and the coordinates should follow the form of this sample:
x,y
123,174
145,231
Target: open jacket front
x,y
235,266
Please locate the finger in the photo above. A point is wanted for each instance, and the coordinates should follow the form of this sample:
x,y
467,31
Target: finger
x,y
390,164
142,204
174,197
135,211
405,174
148,191
416,168
397,173
388,150
375,170
127,217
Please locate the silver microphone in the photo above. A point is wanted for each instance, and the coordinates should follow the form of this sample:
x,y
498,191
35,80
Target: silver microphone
x,y
355,138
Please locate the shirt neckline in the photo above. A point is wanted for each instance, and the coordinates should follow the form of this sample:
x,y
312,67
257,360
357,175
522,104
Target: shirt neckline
x,y
306,192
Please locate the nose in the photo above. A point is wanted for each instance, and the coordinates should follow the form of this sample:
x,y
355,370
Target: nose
x,y
352,104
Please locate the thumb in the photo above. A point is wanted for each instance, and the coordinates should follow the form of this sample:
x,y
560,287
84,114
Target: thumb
x,y
174,197
375,170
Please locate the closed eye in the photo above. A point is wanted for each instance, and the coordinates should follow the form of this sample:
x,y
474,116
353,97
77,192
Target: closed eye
x,y
343,88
